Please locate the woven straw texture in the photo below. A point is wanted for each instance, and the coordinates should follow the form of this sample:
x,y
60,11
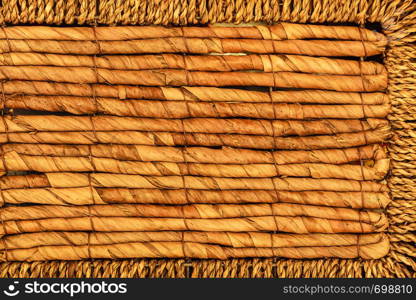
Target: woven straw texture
x,y
397,20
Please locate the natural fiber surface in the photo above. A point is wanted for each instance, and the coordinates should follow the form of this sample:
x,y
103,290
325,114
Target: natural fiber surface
x,y
398,23
103,200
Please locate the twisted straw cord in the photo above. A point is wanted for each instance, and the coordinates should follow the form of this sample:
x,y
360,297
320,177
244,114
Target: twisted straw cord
x,y
202,11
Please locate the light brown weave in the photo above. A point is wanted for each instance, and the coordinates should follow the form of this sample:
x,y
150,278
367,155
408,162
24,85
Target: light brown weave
x,y
397,19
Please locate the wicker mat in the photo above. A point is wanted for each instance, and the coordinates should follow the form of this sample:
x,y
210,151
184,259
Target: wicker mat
x,y
251,139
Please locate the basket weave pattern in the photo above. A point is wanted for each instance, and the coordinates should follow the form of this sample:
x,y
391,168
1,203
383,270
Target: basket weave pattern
x,y
398,24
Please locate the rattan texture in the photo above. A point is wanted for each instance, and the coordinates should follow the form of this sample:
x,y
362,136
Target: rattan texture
x,y
398,22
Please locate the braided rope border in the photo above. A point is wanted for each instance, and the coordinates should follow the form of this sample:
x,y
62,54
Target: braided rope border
x,y
187,12
398,21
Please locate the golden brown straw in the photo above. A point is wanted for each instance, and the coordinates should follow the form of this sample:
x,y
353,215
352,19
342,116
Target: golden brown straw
x,y
291,224
292,245
217,193
231,239
169,77
187,93
86,195
394,18
13,161
50,123
217,63
224,155
194,211
197,46
65,180
282,31
192,250
340,140
176,109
